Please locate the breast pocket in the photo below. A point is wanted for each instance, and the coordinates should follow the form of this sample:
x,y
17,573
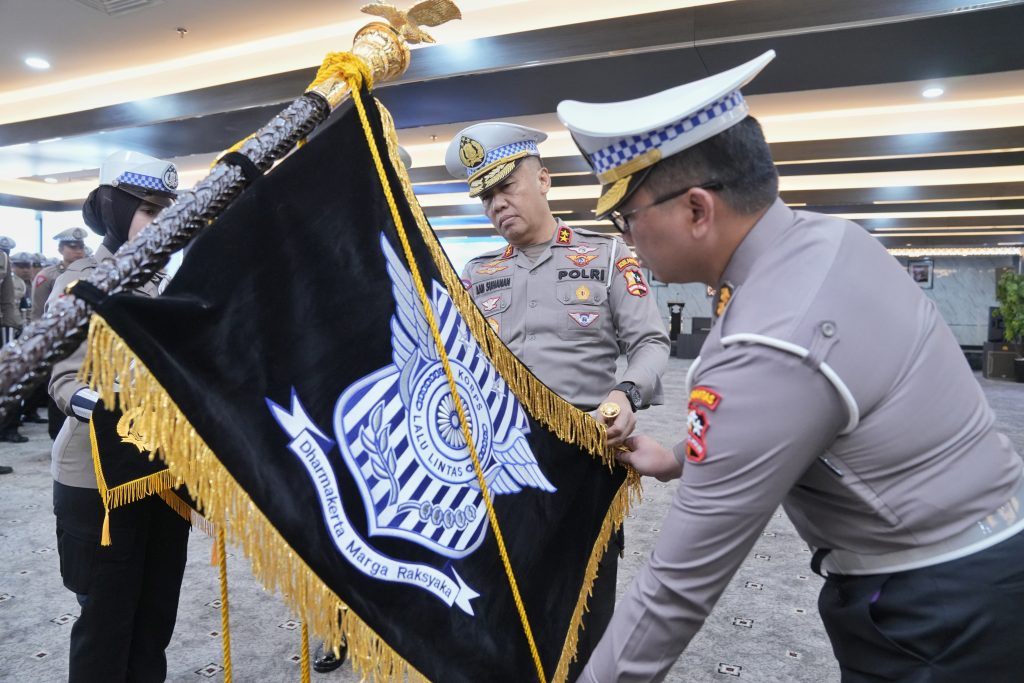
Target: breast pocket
x,y
582,309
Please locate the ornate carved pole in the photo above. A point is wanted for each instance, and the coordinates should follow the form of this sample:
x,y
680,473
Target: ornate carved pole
x,y
28,360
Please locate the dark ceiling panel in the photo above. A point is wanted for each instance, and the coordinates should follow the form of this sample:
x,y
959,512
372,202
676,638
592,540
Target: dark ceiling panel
x,y
928,163
893,145
960,44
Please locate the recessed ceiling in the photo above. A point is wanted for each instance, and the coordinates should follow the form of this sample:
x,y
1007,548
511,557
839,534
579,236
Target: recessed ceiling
x,y
848,123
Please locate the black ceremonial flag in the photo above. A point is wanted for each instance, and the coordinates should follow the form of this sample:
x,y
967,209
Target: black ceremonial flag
x,y
292,378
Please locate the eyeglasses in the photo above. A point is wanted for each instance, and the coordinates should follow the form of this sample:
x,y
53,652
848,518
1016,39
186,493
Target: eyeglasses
x,y
623,221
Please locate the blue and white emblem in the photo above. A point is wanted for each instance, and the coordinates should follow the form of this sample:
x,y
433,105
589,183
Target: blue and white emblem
x,y
400,436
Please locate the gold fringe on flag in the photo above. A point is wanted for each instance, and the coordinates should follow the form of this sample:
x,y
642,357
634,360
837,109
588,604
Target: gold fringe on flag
x,y
226,504
126,493
274,563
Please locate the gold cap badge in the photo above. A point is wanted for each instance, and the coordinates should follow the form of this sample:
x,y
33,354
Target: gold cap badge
x,y
471,152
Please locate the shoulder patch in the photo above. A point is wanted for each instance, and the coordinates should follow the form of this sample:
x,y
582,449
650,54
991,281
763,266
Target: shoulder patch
x,y
702,401
635,284
626,262
40,279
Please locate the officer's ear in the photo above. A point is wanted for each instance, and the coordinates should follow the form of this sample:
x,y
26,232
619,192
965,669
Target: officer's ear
x,y
701,205
543,179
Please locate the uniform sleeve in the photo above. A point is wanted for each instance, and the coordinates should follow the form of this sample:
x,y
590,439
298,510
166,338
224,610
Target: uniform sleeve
x,y
772,416
9,314
39,293
638,326
71,396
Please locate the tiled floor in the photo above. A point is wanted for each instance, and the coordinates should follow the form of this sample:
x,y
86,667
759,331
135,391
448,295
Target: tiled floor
x,y
765,628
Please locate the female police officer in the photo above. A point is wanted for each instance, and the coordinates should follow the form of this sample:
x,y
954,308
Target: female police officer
x,y
128,591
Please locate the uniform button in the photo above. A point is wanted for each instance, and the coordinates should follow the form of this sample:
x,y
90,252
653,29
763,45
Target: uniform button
x,y
533,304
828,329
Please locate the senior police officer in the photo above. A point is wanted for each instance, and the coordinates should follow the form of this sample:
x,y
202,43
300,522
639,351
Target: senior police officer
x,y
829,384
128,590
71,247
566,301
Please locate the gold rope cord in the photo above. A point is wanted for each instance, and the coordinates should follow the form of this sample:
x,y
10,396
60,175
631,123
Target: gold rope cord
x,y
304,657
225,624
428,312
536,395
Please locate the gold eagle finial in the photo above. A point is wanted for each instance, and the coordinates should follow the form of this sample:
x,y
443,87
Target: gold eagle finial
x,y
425,13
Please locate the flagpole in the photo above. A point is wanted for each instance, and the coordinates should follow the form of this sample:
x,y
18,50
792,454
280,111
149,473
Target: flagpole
x,y
27,361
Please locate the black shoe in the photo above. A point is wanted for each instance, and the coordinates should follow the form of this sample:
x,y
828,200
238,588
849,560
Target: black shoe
x,y
325,661
4,469
34,419
13,437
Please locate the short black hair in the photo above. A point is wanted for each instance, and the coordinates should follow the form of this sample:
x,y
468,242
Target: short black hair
x,y
738,157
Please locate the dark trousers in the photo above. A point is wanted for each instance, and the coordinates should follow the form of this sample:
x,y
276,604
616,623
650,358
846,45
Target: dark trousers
x,y
600,606
128,590
949,623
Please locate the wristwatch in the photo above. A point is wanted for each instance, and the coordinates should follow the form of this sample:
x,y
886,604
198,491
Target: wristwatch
x,y
632,394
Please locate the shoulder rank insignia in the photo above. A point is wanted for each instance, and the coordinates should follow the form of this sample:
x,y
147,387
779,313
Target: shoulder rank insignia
x,y
508,252
702,400
724,296
564,235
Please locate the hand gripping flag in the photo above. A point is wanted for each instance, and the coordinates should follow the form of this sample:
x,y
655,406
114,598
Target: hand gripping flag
x,y
297,375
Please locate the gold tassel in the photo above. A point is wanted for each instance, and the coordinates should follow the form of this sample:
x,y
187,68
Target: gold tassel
x,y
105,533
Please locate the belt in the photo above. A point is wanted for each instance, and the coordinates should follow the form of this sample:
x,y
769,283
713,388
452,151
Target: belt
x,y
1002,523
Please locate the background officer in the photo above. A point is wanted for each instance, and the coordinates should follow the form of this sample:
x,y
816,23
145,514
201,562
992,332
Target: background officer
x,y
830,384
71,247
566,301
129,590
11,323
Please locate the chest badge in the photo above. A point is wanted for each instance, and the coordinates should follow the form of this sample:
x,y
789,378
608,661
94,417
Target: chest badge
x,y
581,260
491,268
490,305
584,318
582,293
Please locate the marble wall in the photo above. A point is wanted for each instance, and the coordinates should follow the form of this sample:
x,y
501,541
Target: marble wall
x,y
694,296
963,289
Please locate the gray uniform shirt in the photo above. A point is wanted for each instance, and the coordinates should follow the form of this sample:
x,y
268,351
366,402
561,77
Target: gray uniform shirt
x,y
71,456
42,286
570,313
879,440
10,316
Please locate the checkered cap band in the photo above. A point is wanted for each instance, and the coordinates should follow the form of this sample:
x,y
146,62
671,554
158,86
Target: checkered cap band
x,y
503,152
624,151
147,181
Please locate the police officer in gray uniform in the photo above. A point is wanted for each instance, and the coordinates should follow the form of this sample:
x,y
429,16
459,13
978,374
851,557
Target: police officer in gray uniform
x,y
129,590
828,384
71,246
566,301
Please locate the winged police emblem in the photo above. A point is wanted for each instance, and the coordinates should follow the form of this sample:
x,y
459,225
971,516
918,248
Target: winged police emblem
x,y
401,438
